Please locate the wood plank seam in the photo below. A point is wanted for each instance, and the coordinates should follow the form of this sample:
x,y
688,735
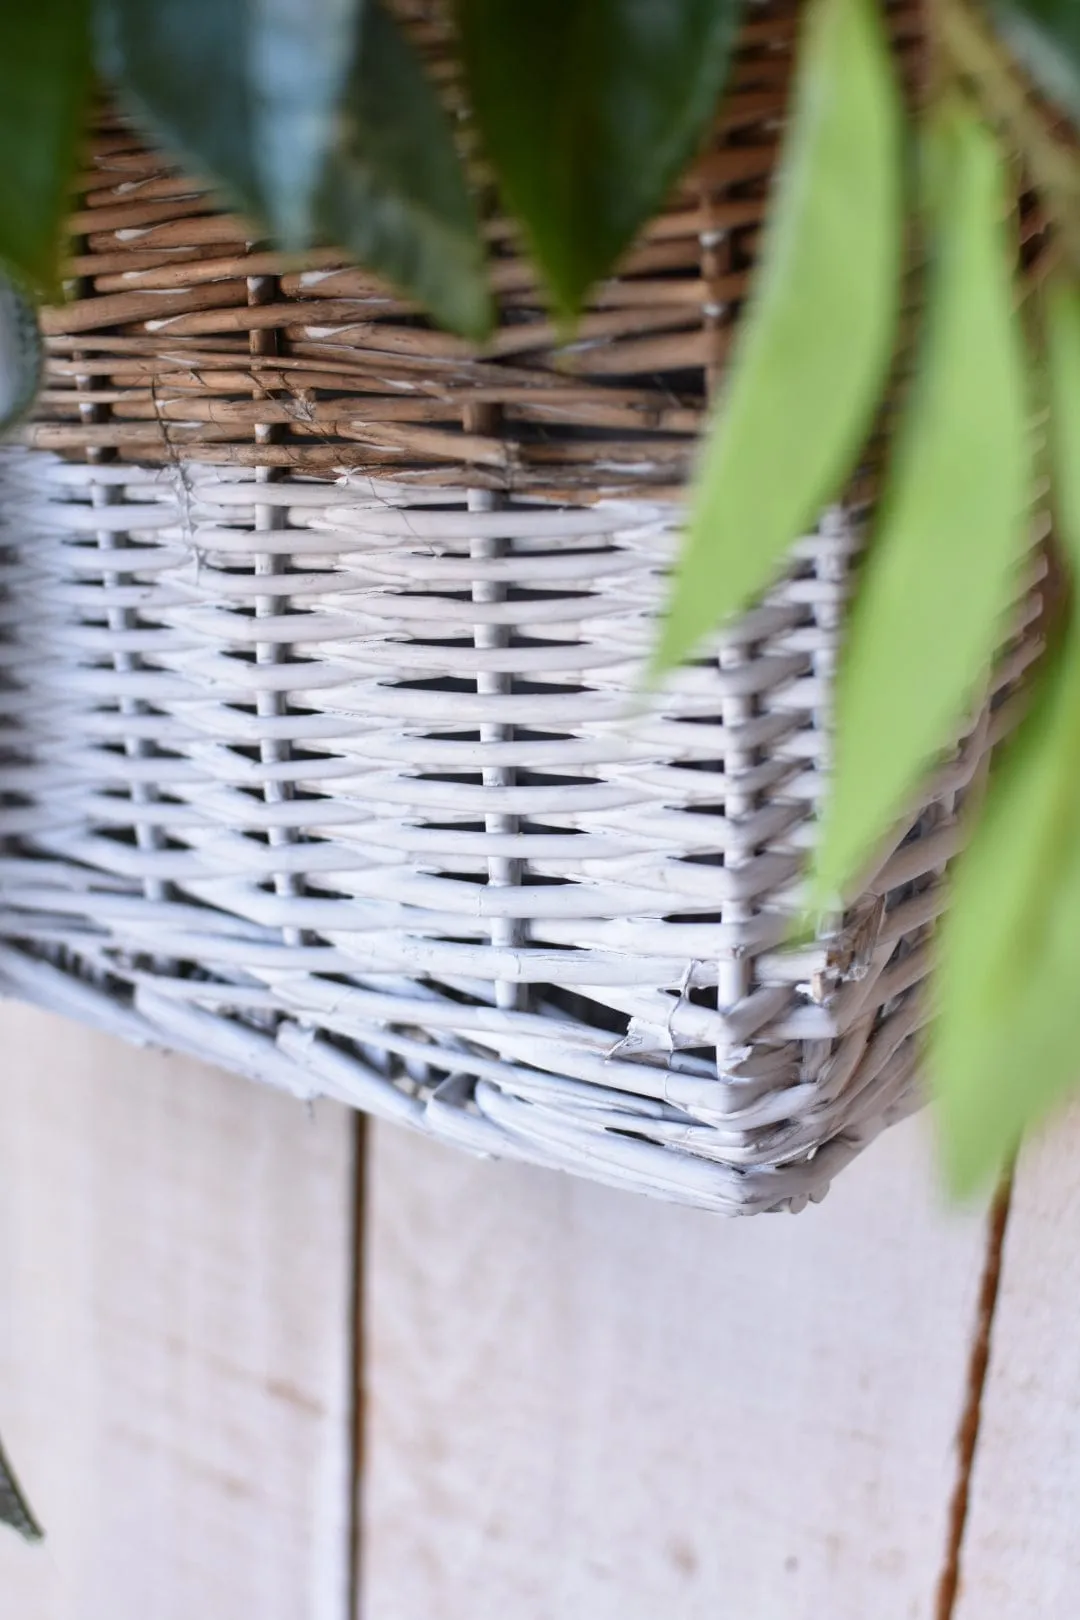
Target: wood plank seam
x,y
356,1330
967,1438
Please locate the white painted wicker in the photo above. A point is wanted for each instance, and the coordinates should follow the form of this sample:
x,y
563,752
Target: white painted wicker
x,y
339,784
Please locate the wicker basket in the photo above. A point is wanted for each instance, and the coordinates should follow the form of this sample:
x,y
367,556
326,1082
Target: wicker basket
x,y
321,630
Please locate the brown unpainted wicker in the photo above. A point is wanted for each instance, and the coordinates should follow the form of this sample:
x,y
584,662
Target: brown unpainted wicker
x,y
187,338
321,634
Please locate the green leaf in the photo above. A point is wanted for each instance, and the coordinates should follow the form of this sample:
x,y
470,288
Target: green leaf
x,y
394,192
943,564
20,353
248,89
816,339
589,111
1045,34
1006,1041
1062,317
44,79
299,59
349,142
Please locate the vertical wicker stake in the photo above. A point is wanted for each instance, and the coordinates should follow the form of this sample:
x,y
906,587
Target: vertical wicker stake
x,y
271,702
504,871
733,972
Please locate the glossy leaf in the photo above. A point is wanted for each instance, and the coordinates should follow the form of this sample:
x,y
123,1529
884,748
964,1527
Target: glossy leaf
x,y
942,566
1062,316
1006,1041
44,79
1045,34
20,353
816,339
589,110
394,192
248,89
299,55
346,140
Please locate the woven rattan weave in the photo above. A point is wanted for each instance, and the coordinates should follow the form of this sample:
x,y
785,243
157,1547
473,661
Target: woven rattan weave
x,y
322,634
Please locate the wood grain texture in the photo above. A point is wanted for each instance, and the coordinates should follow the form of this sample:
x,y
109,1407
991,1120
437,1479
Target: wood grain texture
x,y
1020,1558
174,1351
584,1404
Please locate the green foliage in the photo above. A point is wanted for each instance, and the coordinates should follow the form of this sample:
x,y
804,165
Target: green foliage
x,y
44,78
183,66
1046,35
1007,1040
815,342
248,89
20,353
943,564
393,190
589,110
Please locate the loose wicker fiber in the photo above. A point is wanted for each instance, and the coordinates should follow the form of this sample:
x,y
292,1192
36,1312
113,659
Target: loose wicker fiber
x,y
319,755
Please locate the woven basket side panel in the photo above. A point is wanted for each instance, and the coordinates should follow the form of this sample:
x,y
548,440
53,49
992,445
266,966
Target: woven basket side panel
x,y
336,783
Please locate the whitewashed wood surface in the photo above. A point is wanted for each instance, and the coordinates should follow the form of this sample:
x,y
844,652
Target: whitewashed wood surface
x,y
585,1405
175,1369
577,1404
1021,1551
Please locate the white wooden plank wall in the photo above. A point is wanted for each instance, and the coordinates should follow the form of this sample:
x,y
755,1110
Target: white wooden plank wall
x,y
588,1405
577,1403
175,1366
1021,1550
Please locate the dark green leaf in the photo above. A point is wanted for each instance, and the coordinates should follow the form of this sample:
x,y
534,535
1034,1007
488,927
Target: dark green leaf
x,y
943,565
816,340
394,192
44,78
299,53
1062,312
1045,34
248,89
211,76
20,353
589,110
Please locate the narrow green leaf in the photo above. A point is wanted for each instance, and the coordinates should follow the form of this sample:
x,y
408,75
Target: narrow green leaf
x,y
20,353
1045,34
589,110
943,564
394,192
1062,315
816,339
182,64
1007,1040
44,79
1006,1043
248,89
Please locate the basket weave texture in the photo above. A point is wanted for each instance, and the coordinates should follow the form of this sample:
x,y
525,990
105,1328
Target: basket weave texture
x,y
321,634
